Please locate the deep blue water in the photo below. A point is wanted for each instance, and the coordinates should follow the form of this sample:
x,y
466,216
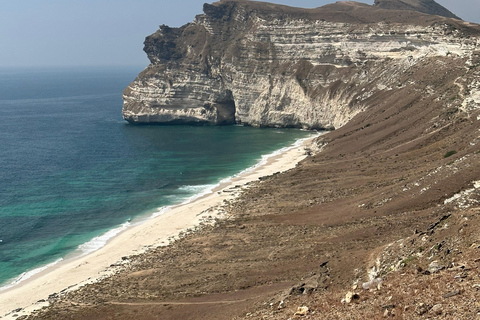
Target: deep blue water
x,y
71,169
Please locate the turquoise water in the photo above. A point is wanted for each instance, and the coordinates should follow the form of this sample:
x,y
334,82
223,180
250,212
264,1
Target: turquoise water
x,y
71,170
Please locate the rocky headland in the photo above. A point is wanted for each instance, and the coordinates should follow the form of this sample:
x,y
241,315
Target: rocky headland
x,y
270,65
381,220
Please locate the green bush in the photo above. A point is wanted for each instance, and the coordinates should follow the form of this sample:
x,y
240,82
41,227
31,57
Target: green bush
x,y
449,153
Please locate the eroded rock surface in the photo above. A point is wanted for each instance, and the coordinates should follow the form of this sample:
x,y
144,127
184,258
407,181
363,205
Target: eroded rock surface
x,y
270,65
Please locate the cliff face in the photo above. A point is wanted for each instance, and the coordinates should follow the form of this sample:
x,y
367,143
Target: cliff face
x,y
269,65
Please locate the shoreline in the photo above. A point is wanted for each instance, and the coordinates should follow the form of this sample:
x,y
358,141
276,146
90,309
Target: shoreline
x,y
160,229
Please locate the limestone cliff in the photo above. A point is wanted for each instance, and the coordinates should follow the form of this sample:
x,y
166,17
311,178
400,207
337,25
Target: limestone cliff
x,y
262,64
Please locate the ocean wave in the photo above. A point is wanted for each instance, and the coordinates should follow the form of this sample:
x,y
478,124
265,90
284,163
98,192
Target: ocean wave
x,y
195,188
161,210
197,191
100,241
191,193
27,275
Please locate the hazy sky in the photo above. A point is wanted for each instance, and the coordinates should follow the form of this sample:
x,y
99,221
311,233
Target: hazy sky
x,y
111,32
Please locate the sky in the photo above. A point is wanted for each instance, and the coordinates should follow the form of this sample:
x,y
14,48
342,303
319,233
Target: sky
x,y
56,33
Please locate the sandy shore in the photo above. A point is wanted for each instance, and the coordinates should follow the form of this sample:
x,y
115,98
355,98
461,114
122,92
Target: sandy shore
x,y
71,274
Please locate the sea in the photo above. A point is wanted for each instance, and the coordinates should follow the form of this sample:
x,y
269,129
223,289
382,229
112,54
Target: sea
x,y
73,173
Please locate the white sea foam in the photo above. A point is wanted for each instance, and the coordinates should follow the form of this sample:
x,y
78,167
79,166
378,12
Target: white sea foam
x,y
27,275
198,191
161,210
100,241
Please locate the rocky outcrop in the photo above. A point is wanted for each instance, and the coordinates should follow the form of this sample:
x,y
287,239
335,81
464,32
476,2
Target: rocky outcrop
x,y
262,64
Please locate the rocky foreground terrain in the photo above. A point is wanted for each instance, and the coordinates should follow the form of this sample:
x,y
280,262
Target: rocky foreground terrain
x,y
383,222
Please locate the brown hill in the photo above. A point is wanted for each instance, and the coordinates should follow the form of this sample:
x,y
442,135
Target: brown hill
x,y
424,6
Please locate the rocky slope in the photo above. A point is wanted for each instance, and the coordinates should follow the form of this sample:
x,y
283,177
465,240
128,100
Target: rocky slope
x,y
270,65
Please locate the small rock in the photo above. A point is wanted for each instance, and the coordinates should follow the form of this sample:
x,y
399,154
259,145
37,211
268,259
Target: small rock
x,y
386,313
451,294
304,288
53,296
350,296
437,309
422,308
301,311
372,284
476,286
281,305
459,268
435,267
388,306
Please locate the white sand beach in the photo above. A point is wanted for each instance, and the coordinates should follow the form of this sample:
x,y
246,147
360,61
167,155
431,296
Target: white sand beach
x,y
69,274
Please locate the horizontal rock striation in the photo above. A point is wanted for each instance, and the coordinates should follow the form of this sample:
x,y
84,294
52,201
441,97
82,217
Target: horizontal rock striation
x,y
261,64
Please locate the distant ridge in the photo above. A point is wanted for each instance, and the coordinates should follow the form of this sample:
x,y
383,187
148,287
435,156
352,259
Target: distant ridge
x,y
424,6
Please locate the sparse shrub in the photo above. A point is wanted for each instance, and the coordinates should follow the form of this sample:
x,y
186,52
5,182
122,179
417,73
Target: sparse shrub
x,y
367,125
450,153
408,260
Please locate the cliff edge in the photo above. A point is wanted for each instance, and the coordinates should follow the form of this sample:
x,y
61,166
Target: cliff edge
x,y
264,64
